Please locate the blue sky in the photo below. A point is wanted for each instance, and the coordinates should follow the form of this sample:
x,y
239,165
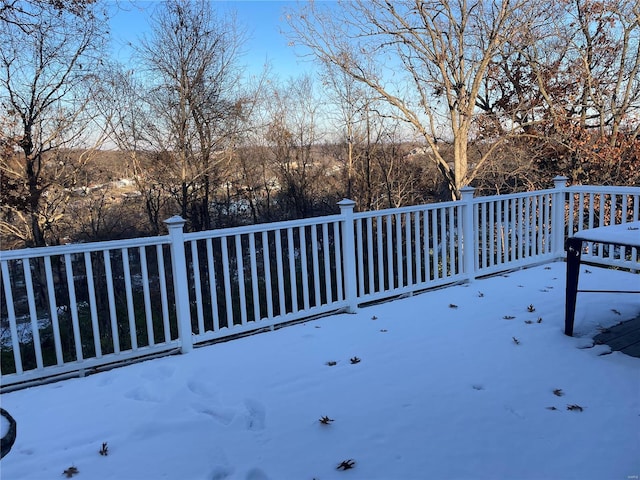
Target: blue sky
x,y
263,20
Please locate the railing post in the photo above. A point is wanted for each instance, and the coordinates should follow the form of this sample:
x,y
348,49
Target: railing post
x,y
557,215
175,225
469,247
349,255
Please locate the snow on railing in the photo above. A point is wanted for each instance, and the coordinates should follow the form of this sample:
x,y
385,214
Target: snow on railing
x,y
78,307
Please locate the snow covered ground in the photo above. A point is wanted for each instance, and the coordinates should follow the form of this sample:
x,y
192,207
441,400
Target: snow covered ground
x,y
448,386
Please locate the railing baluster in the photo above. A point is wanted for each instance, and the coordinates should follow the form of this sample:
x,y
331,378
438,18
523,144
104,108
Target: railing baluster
x,y
112,301
636,216
390,257
546,220
426,246
452,242
542,221
407,236
370,264
417,247
11,313
148,313
492,228
92,304
549,229
163,293
53,310
213,290
316,266
241,286
360,258
513,247
326,260
197,287
612,221
506,213
623,219
33,313
133,333
73,306
282,310
443,242
581,209
482,244
571,220
590,223
255,293
527,229
398,242
434,242
500,232
337,235
267,273
380,249
520,223
293,287
542,225
302,236
456,224
227,282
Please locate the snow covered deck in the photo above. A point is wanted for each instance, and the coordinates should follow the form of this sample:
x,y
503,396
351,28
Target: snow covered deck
x,y
475,381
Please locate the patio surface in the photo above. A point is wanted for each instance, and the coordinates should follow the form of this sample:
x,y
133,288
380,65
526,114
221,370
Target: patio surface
x,y
624,337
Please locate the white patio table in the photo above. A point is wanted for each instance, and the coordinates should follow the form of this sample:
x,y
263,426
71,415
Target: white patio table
x,y
624,235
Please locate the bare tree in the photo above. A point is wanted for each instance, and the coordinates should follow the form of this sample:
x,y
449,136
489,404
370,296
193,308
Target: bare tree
x,y
427,59
49,77
189,65
126,113
574,90
352,104
24,14
293,135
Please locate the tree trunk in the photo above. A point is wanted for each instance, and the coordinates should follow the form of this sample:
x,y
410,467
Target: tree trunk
x,y
460,165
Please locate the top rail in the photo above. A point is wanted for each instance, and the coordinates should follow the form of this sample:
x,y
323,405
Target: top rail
x,y
261,227
72,248
617,190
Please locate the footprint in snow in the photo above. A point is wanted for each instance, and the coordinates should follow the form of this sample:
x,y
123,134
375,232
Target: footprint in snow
x,y
201,389
105,380
142,394
256,474
220,472
159,373
221,415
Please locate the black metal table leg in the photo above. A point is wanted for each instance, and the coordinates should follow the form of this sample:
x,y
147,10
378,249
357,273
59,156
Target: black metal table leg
x,y
573,246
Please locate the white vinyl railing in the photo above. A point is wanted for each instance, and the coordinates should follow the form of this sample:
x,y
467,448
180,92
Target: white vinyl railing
x,y
590,207
258,276
79,307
